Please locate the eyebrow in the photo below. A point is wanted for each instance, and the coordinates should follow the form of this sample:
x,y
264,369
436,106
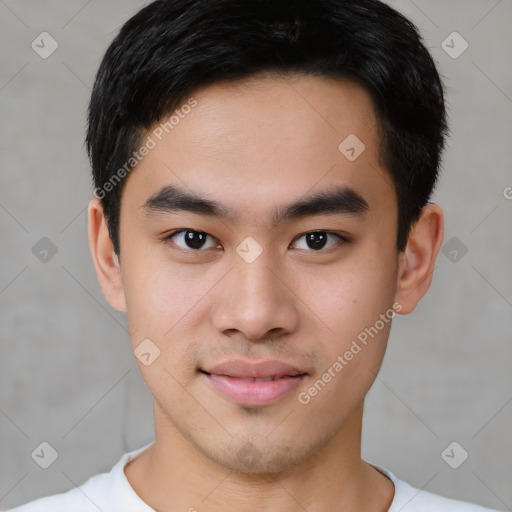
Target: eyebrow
x,y
342,200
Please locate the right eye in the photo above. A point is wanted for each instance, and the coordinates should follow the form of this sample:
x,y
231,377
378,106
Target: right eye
x,y
191,240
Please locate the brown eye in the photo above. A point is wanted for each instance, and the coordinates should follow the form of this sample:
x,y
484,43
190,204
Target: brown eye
x,y
190,239
318,240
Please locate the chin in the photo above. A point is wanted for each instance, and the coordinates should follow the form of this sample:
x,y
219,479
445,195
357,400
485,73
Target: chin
x,y
259,456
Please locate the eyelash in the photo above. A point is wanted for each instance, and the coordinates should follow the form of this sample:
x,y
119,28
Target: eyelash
x,y
342,240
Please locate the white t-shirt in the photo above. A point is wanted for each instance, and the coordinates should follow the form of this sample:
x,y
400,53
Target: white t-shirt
x,y
111,492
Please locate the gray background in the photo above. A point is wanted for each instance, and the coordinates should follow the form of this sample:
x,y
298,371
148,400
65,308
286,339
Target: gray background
x,y
67,373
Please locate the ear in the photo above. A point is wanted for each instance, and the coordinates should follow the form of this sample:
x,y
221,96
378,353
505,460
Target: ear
x,y
105,259
418,260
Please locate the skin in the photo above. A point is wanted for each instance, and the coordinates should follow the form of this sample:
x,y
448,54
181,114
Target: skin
x,y
254,146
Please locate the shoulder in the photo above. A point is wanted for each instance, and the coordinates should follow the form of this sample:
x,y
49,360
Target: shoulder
x,y
108,492
88,497
411,499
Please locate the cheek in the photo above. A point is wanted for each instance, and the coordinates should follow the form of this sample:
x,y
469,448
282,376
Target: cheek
x,y
164,301
352,307
159,293
348,299
357,308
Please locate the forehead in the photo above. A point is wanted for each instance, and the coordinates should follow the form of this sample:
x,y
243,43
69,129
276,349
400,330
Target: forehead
x,y
252,143
305,114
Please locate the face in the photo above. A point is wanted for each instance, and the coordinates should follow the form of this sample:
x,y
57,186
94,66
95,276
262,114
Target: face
x,y
233,286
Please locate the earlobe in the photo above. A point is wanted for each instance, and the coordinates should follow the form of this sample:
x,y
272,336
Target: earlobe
x,y
104,257
418,260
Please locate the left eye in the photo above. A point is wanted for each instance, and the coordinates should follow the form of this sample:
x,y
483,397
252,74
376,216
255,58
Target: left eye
x,y
317,240
191,239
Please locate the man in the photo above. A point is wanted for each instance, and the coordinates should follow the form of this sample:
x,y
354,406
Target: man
x,y
262,175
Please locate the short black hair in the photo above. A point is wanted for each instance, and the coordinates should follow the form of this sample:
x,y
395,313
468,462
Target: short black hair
x,y
171,47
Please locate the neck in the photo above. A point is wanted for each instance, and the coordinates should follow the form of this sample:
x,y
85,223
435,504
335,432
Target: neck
x,y
174,475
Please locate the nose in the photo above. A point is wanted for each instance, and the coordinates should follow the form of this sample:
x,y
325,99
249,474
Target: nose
x,y
256,301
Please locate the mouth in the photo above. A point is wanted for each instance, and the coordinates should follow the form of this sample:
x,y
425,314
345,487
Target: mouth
x,y
253,384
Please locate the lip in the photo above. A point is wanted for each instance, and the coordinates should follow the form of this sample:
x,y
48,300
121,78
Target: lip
x,y
241,369
254,384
